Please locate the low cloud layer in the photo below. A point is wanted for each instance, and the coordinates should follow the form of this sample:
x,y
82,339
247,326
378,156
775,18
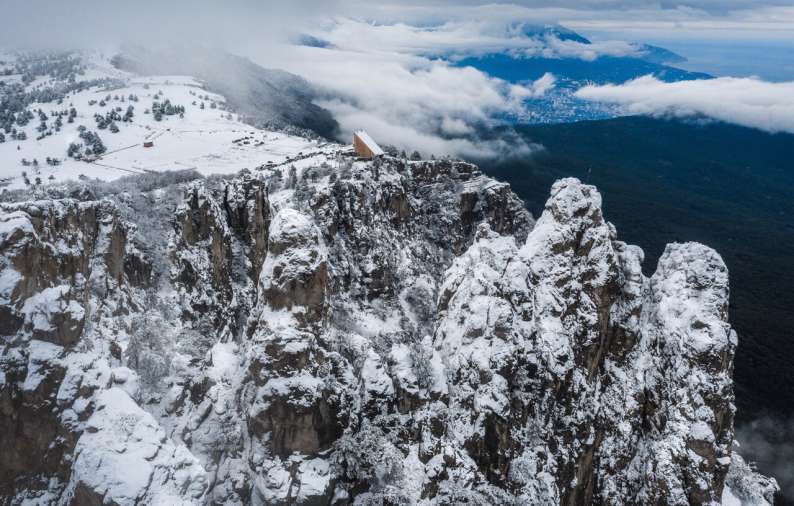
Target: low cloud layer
x,y
466,37
744,101
696,19
55,23
385,70
399,82
411,101
92,24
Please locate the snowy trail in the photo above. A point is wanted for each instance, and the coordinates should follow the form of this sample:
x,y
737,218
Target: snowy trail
x,y
120,149
133,171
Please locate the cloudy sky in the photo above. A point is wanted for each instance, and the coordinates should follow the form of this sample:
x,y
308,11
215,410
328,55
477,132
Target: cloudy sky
x,y
237,21
389,63
745,101
763,19
390,68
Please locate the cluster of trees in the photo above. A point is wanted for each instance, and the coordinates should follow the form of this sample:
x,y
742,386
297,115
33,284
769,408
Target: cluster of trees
x,y
13,103
62,66
15,100
133,187
202,97
54,162
370,456
146,351
213,104
26,179
42,128
108,121
422,363
75,150
92,145
166,108
117,98
24,117
303,190
92,141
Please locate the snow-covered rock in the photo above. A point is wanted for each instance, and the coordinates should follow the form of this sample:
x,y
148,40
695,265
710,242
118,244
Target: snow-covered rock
x,y
358,332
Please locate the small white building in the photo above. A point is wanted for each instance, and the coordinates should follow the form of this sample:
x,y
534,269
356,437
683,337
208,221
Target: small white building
x,y
365,146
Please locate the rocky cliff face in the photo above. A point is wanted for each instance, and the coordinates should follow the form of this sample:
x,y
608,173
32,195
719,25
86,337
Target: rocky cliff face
x,y
371,332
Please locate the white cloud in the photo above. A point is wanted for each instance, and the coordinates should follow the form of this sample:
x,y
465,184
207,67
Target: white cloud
x,y
744,101
535,89
80,24
388,74
543,84
414,137
762,19
411,101
389,79
489,34
557,48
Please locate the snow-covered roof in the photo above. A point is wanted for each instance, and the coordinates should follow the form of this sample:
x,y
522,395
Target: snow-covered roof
x,y
370,142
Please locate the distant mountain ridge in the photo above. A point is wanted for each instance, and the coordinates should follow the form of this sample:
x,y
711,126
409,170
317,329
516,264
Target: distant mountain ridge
x,y
574,72
522,53
600,67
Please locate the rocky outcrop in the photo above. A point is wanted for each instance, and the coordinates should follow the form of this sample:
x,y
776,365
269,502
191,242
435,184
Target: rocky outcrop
x,y
34,441
54,256
63,264
379,332
295,273
584,371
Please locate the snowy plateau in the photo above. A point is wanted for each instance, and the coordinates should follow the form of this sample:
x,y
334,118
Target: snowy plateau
x,y
196,310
